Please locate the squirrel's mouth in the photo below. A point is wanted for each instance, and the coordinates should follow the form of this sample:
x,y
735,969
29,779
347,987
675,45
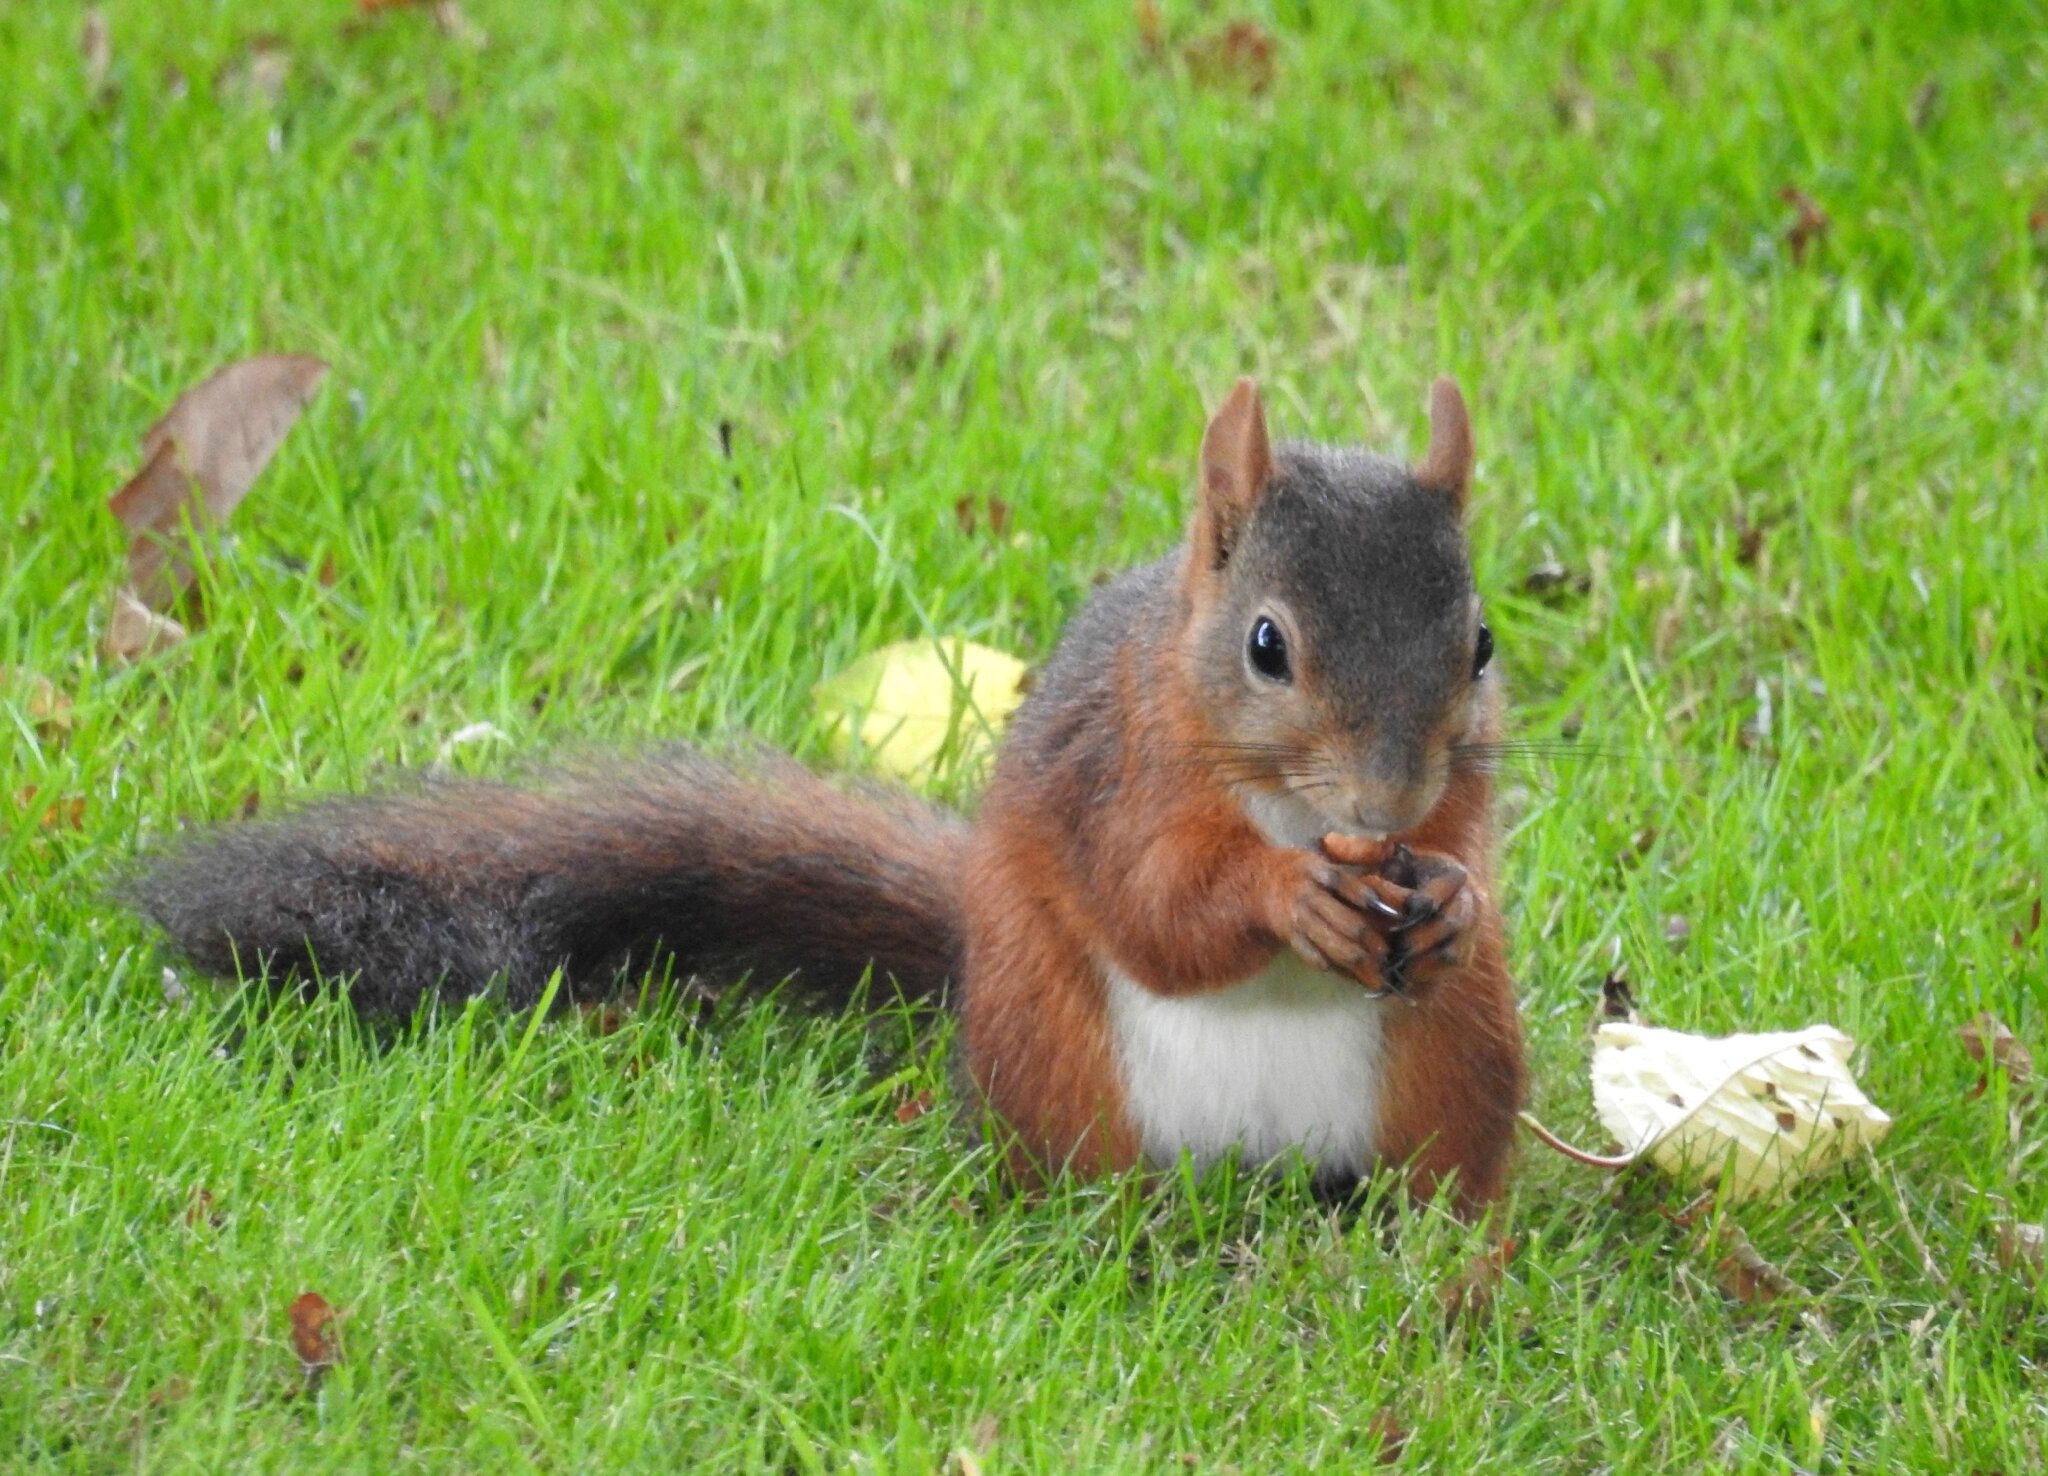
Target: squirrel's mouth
x,y
1301,813
1377,812
1299,808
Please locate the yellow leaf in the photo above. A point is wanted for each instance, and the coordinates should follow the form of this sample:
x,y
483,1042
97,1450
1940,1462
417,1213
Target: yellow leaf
x,y
1757,1111
909,707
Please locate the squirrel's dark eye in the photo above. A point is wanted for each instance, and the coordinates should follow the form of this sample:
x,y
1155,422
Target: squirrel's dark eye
x,y
1482,652
1267,650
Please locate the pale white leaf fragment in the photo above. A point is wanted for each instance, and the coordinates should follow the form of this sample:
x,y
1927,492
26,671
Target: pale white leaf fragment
x,y
1756,1112
96,49
134,630
457,26
2023,1249
259,74
470,733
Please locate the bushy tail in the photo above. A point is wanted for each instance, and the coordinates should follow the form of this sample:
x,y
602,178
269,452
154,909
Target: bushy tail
x,y
595,870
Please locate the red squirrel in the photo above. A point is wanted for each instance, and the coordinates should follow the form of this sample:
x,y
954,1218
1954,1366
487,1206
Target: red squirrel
x,y
1231,888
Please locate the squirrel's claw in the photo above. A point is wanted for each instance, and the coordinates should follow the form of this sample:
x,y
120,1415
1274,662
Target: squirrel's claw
x,y
1418,909
1434,935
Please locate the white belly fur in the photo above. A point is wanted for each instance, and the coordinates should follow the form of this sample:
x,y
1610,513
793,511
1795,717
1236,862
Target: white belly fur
x,y
1288,1059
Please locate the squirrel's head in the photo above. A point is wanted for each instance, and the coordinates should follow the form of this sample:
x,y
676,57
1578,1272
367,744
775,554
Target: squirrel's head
x,y
1334,638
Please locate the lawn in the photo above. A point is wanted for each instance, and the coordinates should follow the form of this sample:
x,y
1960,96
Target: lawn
x,y
683,353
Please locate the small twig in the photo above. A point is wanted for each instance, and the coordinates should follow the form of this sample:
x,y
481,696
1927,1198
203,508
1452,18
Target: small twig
x,y
1578,1155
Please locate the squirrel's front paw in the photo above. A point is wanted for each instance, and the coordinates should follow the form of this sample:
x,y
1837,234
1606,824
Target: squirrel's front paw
x,y
1438,908
1339,921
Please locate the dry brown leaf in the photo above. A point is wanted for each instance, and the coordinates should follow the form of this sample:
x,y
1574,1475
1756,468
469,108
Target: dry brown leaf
x,y
1688,1214
148,506
214,441
1617,1000
1574,108
969,517
1151,27
916,1107
1749,541
49,709
1988,1037
2023,1249
60,814
48,706
135,630
2020,935
1926,103
201,1210
1241,53
1811,226
314,1335
1391,1433
1744,1273
169,1392
1469,1294
96,49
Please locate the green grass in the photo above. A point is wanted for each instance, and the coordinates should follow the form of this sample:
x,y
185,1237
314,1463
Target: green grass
x,y
995,251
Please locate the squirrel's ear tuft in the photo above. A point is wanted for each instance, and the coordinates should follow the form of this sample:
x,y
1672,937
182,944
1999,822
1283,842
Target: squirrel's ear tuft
x,y
1447,466
1237,463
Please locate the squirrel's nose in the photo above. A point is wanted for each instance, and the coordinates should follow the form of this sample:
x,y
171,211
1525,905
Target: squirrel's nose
x,y
1368,821
1388,798
1396,768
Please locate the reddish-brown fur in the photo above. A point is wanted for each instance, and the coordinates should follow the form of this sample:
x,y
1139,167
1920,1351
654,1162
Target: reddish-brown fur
x,y
1196,896
1454,1048
1184,902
